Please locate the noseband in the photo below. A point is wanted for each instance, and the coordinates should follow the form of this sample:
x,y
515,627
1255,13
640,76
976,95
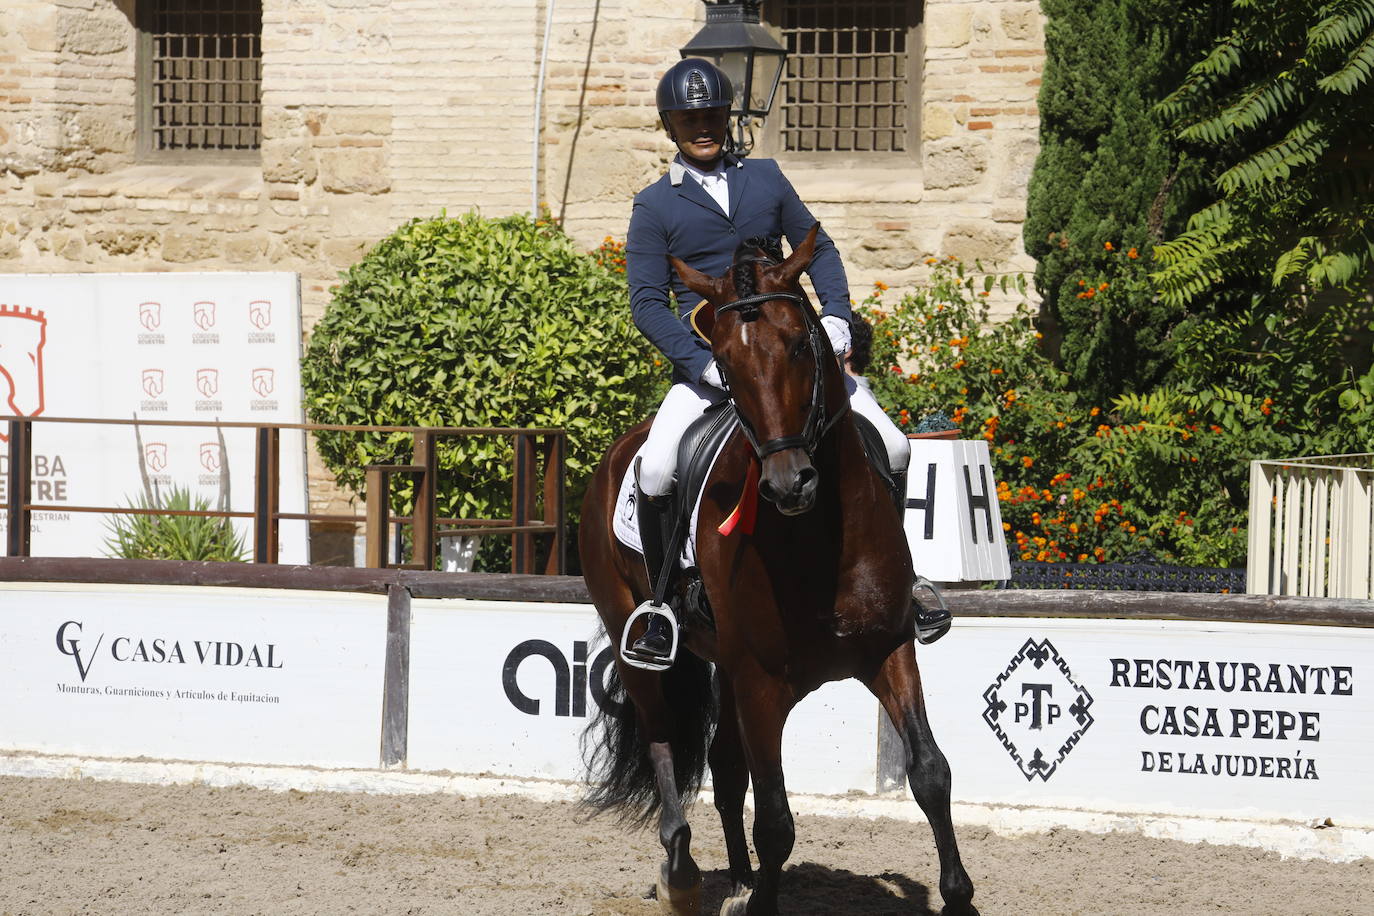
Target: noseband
x,y
817,424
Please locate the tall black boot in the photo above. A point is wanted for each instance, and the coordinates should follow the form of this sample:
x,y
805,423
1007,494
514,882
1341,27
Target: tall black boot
x,y
655,530
933,619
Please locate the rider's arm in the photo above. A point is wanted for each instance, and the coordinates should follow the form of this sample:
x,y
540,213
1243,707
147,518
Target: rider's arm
x,y
826,271
649,275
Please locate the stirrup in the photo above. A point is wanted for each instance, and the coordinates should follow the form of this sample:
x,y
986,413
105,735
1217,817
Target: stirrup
x,y
649,662
930,624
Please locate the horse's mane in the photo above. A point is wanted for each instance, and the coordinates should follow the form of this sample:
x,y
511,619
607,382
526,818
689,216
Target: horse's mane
x,y
742,269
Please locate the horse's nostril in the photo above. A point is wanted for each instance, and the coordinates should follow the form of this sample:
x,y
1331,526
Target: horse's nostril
x,y
806,480
767,491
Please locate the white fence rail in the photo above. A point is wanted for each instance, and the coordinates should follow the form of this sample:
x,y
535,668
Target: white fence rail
x,y
1310,527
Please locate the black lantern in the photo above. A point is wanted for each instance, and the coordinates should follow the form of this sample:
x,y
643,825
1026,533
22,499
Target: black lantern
x,y
735,41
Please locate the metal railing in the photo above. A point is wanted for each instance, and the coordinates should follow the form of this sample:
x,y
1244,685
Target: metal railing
x,y
534,450
1310,527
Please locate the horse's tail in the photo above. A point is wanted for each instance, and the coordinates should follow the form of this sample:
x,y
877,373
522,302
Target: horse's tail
x,y
615,748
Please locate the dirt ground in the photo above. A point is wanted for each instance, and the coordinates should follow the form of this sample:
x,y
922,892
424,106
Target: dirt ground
x,y
111,848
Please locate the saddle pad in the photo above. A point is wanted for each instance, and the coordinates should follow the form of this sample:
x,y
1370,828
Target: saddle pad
x,y
626,524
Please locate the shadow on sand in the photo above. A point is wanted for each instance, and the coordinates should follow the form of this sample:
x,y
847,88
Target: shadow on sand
x,y
809,889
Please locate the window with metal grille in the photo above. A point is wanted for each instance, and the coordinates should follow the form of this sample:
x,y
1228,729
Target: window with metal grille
x,y
850,79
200,78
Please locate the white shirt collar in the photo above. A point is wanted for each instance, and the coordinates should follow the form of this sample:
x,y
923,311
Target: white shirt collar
x,y
677,169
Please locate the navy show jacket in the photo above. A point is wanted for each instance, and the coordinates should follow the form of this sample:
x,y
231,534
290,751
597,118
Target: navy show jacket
x,y
675,215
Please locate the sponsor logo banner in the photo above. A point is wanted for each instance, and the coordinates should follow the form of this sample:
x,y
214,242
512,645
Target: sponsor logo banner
x,y
254,676
193,346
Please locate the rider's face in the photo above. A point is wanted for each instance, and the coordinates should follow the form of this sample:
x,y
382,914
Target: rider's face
x,y
700,133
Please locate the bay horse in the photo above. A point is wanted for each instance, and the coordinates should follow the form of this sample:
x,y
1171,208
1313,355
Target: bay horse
x,y
819,591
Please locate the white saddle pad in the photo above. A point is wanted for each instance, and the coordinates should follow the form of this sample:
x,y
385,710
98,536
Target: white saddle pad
x,y
626,524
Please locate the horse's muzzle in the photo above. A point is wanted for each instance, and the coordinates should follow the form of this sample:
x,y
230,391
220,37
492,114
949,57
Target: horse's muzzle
x,y
789,480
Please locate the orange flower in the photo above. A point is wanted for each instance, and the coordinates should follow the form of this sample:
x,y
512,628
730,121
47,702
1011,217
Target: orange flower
x,y
1108,246
1132,254
995,371
880,286
1027,461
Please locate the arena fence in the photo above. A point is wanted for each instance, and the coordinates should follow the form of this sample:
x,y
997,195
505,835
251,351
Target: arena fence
x,y
1246,707
1312,526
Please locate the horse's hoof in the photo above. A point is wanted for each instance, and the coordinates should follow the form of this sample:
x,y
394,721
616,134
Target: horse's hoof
x,y
737,905
676,901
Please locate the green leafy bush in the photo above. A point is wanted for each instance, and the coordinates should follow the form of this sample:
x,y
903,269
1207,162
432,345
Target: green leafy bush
x,y
480,323
173,537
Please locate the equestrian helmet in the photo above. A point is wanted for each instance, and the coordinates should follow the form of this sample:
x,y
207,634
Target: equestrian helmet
x,y
693,83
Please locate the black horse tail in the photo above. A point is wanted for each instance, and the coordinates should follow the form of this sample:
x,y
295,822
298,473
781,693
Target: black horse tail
x,y
616,753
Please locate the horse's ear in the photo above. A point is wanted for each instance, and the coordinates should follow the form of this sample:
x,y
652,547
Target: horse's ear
x,y
706,287
800,258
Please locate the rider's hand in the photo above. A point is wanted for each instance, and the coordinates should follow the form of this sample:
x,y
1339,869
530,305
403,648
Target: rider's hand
x,y
837,329
712,376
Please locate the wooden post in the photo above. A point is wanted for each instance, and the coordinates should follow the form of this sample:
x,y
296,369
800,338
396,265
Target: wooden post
x,y
555,509
425,489
522,504
267,496
378,512
17,513
396,682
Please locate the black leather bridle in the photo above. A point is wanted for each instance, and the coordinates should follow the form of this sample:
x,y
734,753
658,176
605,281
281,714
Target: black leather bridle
x,y
817,424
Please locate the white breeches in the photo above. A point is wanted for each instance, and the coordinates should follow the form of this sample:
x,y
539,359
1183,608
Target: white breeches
x,y
687,401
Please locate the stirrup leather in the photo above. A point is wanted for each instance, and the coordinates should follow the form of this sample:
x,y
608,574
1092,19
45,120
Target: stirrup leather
x,y
934,623
649,662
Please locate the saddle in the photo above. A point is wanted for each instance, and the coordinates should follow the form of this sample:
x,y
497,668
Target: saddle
x,y
696,455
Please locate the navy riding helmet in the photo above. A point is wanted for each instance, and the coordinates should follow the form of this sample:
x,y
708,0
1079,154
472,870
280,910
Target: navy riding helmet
x,y
693,83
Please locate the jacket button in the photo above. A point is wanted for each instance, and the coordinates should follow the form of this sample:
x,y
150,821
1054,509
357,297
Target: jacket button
x,y
732,230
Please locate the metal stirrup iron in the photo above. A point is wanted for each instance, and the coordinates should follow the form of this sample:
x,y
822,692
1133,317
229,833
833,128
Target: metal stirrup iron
x,y
937,621
649,662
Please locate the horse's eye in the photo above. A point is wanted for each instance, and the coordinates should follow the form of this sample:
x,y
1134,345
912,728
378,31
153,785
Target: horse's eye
x,y
799,348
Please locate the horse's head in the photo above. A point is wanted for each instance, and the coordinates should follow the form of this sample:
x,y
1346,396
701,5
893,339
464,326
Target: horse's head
x,y
774,355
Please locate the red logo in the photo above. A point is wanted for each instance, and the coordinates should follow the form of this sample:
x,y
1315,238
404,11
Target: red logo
x,y
209,456
263,382
260,313
207,382
153,382
155,453
23,332
150,315
205,315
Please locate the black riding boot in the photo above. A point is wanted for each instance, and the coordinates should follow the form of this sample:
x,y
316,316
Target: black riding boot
x,y
932,617
654,534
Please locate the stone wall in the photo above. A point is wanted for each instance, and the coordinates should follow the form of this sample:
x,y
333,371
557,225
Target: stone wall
x,y
379,111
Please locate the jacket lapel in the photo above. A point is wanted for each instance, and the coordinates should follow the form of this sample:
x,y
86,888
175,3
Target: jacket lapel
x,y
691,190
737,179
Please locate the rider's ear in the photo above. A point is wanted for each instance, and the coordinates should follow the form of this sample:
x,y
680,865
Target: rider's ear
x,y
800,258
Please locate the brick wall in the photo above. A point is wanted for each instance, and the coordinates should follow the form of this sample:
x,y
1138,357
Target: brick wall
x,y
378,111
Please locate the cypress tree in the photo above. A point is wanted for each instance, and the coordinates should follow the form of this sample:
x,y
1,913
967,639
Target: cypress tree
x,y
1108,173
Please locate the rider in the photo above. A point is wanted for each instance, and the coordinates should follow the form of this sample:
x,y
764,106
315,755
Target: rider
x,y
708,203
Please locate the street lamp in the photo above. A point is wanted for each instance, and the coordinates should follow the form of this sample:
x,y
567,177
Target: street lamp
x,y
734,41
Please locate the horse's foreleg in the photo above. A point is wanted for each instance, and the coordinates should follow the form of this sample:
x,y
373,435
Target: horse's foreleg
x,y
679,881
729,780
898,687
762,704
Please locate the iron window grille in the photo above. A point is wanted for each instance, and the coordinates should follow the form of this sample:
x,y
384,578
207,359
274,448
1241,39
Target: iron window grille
x,y
200,79
851,79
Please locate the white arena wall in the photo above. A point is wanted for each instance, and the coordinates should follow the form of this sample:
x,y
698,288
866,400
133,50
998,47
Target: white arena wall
x,y
1137,712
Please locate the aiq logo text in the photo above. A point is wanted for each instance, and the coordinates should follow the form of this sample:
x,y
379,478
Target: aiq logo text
x,y
570,683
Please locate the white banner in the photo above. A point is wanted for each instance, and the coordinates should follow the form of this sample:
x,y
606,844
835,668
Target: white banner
x,y
507,688
181,673
1232,719
953,519
164,346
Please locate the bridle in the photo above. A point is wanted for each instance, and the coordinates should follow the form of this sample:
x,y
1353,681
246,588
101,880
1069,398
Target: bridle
x,y
817,423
